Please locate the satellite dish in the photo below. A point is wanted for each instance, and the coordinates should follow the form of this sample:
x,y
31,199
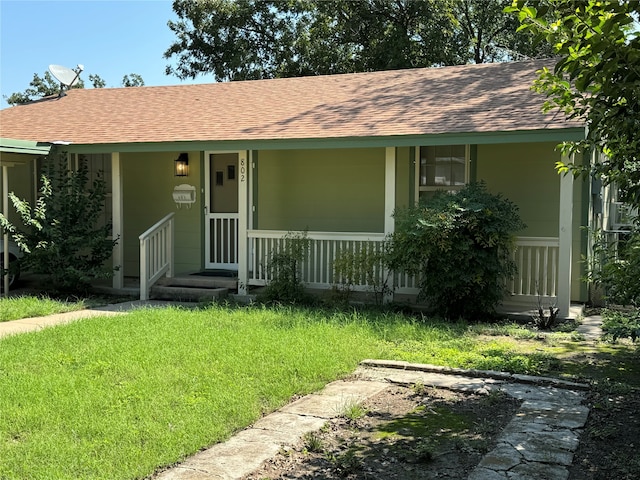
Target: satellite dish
x,y
66,76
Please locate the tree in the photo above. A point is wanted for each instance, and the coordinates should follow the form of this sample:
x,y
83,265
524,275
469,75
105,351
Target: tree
x,y
46,86
596,79
252,39
132,80
62,234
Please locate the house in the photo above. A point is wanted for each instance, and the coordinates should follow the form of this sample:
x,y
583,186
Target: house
x,y
223,171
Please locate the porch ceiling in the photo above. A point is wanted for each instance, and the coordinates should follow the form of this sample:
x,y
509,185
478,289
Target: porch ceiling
x,y
467,99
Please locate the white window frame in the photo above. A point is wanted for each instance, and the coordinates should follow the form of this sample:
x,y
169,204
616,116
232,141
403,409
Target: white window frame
x,y
449,188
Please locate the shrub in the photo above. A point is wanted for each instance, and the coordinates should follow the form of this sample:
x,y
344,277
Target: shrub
x,y
62,235
617,324
459,245
364,266
284,270
616,268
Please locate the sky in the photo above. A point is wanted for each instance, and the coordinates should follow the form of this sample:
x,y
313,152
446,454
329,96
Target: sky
x,y
111,38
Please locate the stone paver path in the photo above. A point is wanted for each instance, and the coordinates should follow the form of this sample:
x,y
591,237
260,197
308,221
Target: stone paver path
x,y
538,443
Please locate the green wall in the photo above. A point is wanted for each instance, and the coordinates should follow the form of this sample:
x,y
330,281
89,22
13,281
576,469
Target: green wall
x,y
20,180
525,174
148,183
321,190
405,176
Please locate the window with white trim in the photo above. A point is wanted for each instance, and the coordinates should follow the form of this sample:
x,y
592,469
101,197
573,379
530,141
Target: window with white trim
x,y
441,167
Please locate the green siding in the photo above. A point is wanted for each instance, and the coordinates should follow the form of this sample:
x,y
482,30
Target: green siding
x,y
148,183
20,181
526,175
405,177
321,190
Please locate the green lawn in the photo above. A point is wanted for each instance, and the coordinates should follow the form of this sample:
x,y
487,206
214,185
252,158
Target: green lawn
x,y
14,308
118,397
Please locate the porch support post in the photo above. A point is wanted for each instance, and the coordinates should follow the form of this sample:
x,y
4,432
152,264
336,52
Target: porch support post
x,y
243,219
5,236
117,230
389,204
565,241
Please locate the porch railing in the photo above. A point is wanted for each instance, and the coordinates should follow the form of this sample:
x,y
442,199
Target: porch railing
x,y
537,262
156,254
324,248
535,257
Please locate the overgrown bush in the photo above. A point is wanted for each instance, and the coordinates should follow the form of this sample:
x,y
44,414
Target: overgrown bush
x,y
619,324
363,266
284,270
459,245
616,267
61,232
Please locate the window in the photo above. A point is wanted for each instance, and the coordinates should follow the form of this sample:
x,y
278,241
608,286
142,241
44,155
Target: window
x,y
442,167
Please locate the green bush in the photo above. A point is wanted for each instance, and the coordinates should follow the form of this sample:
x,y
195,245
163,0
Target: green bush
x,y
364,266
284,270
616,268
459,245
62,234
618,324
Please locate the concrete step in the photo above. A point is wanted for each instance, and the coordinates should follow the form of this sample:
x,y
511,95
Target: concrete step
x,y
186,293
200,281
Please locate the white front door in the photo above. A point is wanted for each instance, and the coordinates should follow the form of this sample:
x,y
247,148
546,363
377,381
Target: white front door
x,y
221,210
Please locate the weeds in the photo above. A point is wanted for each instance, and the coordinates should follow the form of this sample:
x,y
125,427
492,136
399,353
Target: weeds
x,y
312,442
354,411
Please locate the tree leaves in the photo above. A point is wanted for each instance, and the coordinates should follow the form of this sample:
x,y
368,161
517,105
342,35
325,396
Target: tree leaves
x,y
251,39
597,78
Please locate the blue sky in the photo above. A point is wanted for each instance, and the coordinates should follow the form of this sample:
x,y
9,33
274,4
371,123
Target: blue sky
x,y
110,38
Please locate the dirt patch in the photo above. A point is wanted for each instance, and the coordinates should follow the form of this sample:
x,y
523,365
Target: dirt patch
x,y
610,443
401,433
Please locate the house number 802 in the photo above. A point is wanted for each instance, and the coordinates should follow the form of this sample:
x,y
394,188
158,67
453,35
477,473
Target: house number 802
x,y
243,169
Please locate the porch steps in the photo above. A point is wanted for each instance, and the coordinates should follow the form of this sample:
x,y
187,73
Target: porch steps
x,y
187,294
193,288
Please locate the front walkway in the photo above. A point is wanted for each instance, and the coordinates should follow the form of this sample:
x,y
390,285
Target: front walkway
x,y
538,443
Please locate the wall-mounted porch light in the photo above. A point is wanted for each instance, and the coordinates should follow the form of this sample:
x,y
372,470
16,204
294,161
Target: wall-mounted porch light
x,y
182,165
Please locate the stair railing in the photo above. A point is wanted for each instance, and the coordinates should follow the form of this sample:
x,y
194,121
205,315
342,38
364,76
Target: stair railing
x,y
156,254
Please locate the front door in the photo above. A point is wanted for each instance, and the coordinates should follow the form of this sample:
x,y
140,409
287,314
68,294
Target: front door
x,y
221,210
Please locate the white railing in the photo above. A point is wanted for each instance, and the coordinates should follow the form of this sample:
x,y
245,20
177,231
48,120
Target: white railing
x,y
223,240
156,254
324,248
537,262
536,259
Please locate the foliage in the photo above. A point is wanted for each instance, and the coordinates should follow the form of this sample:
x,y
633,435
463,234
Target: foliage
x,y
46,86
253,39
364,266
284,270
595,80
615,267
132,80
61,232
621,324
459,246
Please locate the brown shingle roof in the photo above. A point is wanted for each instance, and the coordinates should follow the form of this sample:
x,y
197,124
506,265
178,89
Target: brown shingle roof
x,y
467,98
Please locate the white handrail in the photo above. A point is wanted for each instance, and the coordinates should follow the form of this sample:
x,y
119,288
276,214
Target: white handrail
x,y
156,254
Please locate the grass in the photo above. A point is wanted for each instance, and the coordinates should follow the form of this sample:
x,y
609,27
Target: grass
x,y
14,308
119,397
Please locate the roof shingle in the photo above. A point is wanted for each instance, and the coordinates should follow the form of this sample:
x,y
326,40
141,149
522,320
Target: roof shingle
x,y
458,99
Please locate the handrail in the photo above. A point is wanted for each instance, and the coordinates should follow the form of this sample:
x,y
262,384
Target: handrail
x,y
156,254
